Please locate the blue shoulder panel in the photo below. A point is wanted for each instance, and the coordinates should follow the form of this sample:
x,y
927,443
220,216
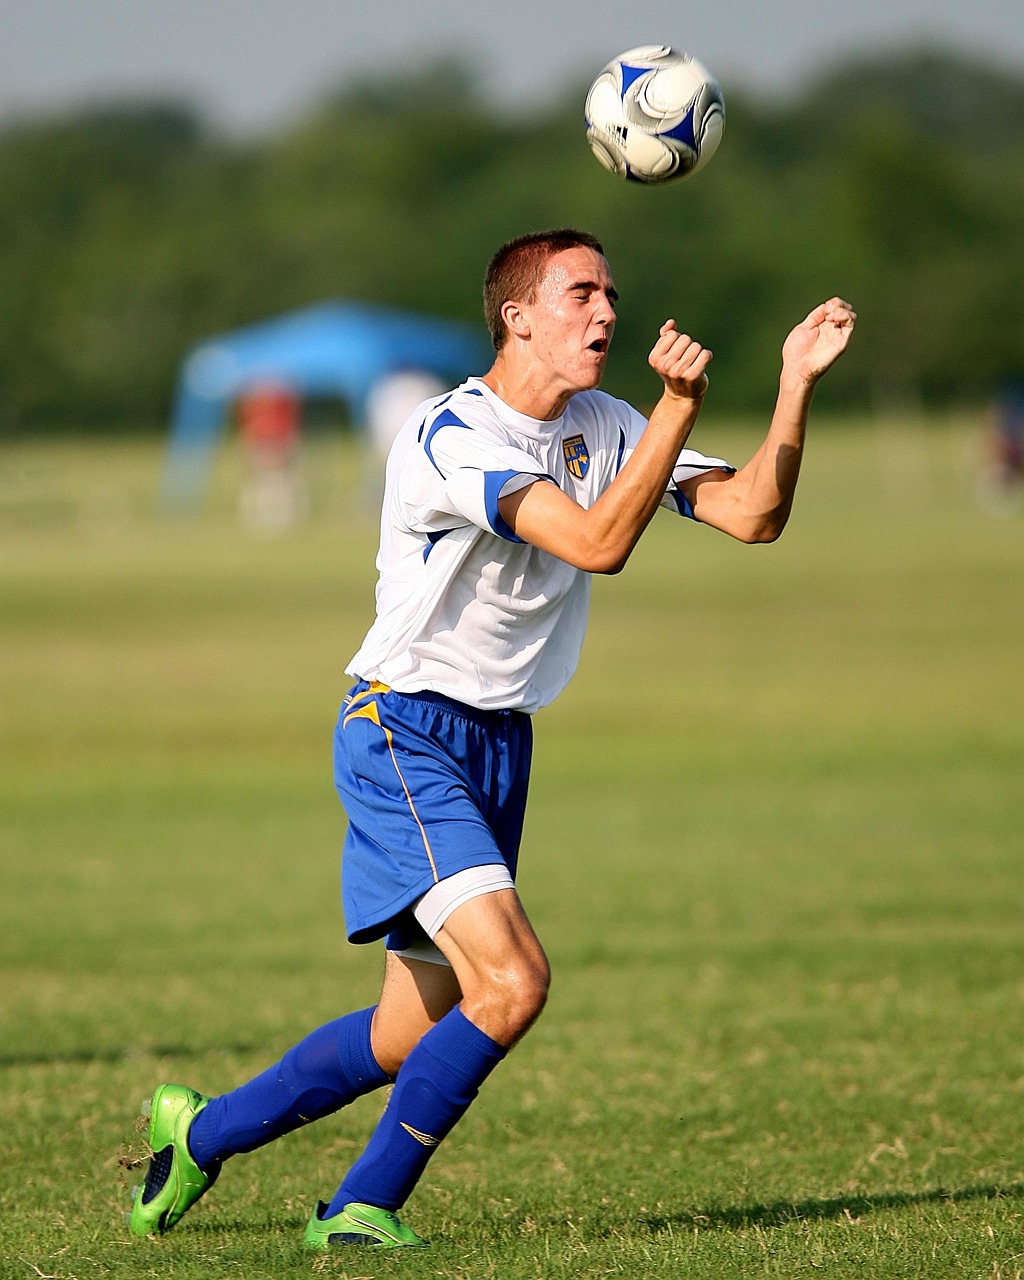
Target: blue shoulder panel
x,y
419,434
444,419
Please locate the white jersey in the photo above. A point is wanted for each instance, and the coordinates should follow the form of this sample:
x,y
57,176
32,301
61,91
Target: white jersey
x,y
464,607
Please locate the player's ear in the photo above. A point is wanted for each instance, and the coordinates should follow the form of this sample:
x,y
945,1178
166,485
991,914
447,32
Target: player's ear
x,y
515,319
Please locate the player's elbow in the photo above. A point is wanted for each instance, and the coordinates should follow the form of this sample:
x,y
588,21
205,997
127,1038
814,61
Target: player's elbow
x,y
759,527
600,551
590,556
603,565
609,565
763,532
745,508
604,558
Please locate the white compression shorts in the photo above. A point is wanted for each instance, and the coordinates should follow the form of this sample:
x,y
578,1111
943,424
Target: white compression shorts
x,y
437,904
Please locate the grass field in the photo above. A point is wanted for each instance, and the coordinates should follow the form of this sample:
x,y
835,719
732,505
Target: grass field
x,y
775,850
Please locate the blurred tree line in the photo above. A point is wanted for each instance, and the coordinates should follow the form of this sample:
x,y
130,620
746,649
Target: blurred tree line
x,y
129,234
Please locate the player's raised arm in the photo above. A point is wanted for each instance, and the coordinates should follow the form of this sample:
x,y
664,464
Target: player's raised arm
x,y
600,539
753,504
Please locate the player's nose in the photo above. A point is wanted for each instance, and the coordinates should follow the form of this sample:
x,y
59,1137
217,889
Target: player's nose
x,y
605,309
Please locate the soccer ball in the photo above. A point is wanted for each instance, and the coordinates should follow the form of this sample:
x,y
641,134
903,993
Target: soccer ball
x,y
654,114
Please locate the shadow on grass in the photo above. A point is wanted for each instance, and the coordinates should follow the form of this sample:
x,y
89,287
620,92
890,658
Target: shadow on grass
x,y
783,1213
81,1057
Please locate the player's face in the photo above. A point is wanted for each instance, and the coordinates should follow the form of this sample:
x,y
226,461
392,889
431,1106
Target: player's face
x,y
573,317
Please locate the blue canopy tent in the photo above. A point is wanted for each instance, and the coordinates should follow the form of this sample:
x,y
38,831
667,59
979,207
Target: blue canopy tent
x,y
331,349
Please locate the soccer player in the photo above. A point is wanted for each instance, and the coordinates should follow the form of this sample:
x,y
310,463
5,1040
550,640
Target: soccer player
x,y
501,499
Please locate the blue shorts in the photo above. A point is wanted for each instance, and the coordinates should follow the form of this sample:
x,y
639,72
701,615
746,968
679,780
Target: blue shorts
x,y
430,787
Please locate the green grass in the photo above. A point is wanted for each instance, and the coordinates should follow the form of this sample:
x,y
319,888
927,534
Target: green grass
x,y
774,850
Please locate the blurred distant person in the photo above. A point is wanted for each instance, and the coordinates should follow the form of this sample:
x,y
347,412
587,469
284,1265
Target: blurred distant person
x,y
392,398
273,493
1001,479
502,498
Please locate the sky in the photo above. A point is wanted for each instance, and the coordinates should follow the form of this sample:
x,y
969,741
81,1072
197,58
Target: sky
x,y
253,66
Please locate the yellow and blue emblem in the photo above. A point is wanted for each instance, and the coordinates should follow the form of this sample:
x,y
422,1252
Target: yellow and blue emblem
x,y
577,456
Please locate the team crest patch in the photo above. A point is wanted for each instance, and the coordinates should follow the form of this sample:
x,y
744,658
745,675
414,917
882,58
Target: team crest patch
x,y
577,456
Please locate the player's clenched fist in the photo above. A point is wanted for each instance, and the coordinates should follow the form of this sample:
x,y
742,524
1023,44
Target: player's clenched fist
x,y
680,361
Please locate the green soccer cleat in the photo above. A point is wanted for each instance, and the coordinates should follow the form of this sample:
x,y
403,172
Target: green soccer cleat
x,y
174,1182
359,1224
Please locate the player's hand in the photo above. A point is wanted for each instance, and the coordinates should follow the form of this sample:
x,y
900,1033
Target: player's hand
x,y
818,341
680,362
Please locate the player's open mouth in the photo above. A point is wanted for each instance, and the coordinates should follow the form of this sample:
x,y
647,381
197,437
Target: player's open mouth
x,y
600,346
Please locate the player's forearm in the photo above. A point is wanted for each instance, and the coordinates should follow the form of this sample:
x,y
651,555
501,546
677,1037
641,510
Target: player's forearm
x,y
615,522
772,473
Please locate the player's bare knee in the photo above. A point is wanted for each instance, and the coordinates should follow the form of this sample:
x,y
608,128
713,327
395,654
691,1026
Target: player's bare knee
x,y
506,1001
531,994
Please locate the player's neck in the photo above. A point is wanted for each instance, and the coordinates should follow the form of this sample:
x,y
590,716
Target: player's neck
x,y
523,391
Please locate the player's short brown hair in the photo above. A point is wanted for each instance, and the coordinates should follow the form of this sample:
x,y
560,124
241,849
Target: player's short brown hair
x,y
515,271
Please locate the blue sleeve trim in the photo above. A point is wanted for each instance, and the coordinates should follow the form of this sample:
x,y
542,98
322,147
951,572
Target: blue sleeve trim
x,y
494,482
683,504
444,419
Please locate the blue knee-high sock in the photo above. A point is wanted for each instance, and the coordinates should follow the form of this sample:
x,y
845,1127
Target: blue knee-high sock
x,y
320,1075
433,1089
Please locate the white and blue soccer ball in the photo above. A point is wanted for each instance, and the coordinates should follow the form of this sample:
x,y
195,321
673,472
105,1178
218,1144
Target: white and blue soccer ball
x,y
654,114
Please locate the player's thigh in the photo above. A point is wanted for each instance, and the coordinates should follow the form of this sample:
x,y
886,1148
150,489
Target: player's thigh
x,y
415,996
499,962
